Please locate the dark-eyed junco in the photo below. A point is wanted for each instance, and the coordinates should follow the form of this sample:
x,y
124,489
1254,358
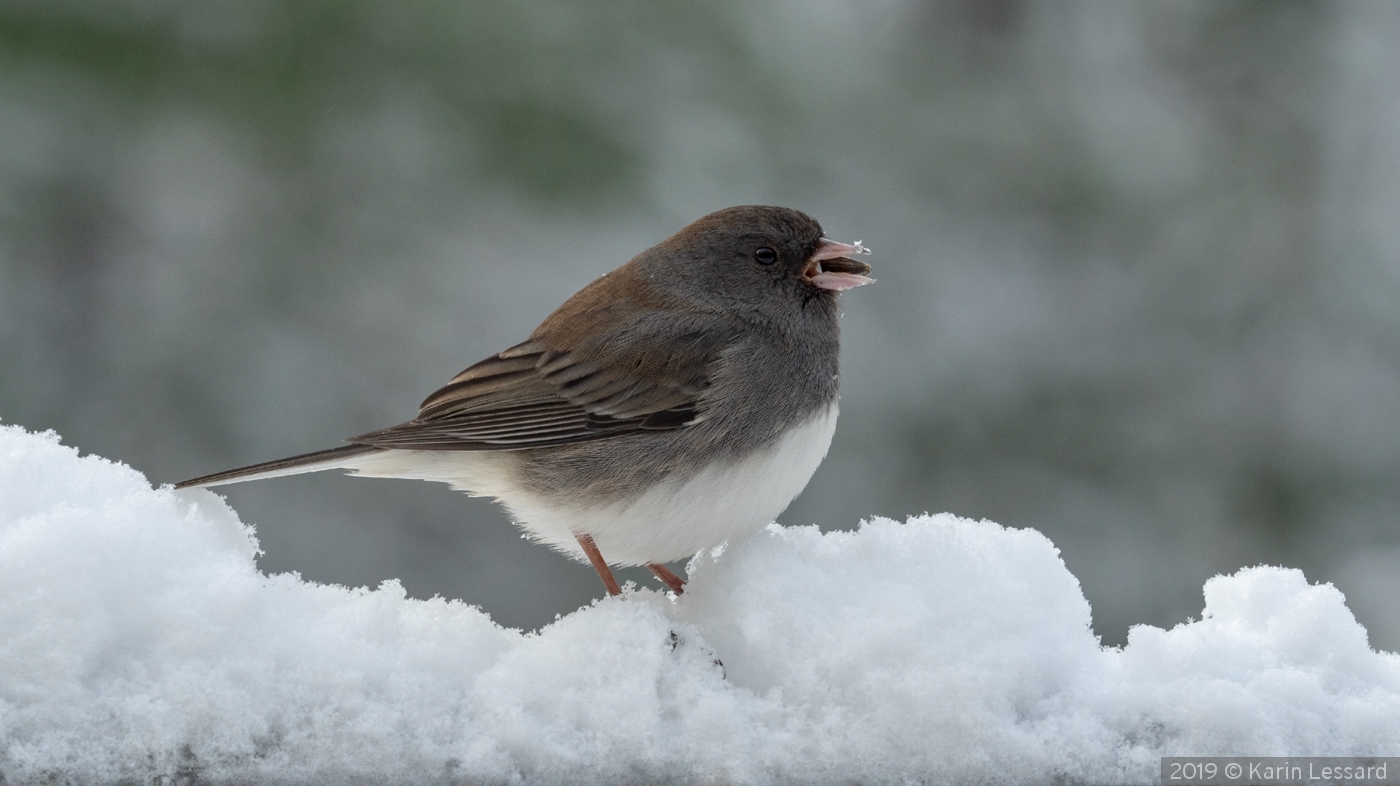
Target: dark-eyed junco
x,y
680,401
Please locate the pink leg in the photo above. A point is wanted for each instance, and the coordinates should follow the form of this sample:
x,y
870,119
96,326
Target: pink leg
x,y
676,583
591,549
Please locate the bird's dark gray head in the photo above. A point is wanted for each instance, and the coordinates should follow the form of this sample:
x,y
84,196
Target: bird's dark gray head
x,y
756,258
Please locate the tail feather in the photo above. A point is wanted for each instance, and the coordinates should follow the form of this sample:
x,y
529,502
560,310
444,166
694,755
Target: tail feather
x,y
335,458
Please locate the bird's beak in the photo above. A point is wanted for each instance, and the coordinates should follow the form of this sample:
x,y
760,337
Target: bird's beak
x,y
830,267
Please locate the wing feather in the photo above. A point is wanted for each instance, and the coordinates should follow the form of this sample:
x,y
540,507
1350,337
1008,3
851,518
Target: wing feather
x,y
539,393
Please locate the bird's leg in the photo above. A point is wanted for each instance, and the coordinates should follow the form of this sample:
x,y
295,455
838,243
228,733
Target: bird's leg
x,y
591,549
676,583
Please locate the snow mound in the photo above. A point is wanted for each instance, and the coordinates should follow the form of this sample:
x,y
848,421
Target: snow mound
x,y
142,644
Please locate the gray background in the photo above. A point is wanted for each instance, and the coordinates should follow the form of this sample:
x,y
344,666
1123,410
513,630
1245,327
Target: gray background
x,y
1138,261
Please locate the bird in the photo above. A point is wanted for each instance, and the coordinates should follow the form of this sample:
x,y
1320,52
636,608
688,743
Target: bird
x,y
676,403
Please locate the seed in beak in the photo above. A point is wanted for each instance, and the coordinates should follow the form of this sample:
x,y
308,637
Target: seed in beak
x,y
830,268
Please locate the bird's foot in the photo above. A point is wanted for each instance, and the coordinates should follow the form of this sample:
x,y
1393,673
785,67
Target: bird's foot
x,y
594,556
676,583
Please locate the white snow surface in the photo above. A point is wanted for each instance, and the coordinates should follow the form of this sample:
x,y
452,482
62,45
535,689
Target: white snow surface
x,y
141,644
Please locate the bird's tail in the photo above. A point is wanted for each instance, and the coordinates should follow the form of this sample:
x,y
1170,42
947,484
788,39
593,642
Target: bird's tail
x,y
335,458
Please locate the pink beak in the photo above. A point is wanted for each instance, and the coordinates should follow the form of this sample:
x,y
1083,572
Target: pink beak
x,y
830,267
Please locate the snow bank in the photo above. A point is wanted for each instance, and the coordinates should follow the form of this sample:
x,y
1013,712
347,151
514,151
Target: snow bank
x,y
141,643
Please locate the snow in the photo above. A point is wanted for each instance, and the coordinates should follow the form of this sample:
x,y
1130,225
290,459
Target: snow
x,y
142,644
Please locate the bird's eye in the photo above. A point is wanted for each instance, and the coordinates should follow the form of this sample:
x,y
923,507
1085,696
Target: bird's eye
x,y
765,256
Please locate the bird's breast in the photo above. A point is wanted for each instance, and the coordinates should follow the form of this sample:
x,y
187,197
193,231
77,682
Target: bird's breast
x,y
687,512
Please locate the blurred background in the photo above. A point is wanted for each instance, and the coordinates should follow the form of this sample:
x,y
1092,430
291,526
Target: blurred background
x,y
1138,262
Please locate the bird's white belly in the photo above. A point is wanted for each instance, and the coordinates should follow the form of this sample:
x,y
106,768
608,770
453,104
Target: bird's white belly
x,y
671,521
675,520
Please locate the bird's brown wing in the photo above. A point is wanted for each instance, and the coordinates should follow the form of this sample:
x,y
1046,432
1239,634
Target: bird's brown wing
x,y
647,374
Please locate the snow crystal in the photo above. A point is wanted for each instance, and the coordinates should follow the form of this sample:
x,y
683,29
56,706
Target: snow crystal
x,y
141,643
